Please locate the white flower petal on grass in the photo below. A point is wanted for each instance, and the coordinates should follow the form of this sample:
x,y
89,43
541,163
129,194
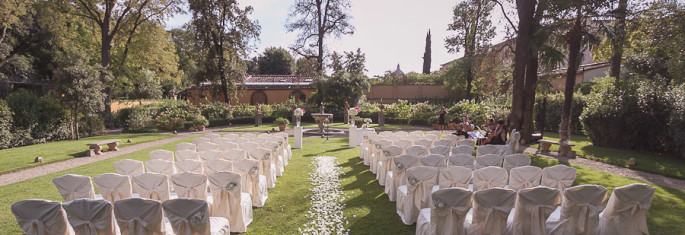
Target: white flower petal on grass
x,y
327,199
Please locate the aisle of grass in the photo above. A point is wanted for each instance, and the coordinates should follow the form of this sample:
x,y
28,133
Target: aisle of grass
x,y
647,162
14,159
272,126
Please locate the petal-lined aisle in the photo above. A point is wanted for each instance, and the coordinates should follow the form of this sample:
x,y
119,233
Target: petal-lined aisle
x,y
326,214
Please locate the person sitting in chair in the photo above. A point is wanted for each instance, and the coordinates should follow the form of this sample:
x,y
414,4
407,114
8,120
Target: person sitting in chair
x,y
463,128
499,136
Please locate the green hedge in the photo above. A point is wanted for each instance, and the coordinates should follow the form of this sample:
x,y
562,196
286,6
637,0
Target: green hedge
x,y
552,112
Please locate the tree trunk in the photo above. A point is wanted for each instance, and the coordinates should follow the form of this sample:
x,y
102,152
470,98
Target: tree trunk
x,y
573,40
72,123
469,76
543,116
527,127
319,57
526,11
618,40
78,136
105,60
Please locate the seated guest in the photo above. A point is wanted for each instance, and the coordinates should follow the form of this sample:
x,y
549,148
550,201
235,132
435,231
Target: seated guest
x,y
490,126
463,128
498,136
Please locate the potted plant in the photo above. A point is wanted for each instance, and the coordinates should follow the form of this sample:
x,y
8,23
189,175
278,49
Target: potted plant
x,y
358,121
200,122
282,122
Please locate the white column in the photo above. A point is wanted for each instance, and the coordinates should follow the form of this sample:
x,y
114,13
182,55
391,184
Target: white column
x,y
298,137
353,136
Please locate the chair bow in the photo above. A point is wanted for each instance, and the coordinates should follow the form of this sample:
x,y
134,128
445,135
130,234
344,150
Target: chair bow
x,y
131,224
584,210
37,227
637,214
90,227
537,222
495,214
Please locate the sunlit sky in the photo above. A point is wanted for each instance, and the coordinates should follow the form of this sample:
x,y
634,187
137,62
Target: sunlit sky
x,y
387,31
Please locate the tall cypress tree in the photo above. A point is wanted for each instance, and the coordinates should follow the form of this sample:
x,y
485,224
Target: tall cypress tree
x,y
427,55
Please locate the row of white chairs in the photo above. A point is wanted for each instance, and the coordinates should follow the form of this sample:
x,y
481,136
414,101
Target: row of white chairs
x,y
584,210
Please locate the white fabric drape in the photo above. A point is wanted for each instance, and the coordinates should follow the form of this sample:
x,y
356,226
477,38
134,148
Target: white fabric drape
x,y
491,149
580,208
152,185
386,163
200,140
249,135
185,146
447,214
515,160
524,177
253,182
189,166
191,217
187,155
403,143
416,150
626,210
235,154
190,185
454,176
248,146
533,207
489,160
463,160
40,217
443,142
491,208
228,200
416,194
434,160
207,146
206,155
88,216
276,157
139,216
129,167
424,142
162,154
466,142
489,177
558,176
463,149
228,146
160,166
113,187
397,176
439,149
217,165
72,187
378,151
269,170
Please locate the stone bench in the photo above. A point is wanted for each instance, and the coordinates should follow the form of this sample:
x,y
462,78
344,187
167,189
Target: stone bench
x,y
564,149
95,147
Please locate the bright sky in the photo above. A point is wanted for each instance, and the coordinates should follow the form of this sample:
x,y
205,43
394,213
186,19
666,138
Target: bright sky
x,y
387,31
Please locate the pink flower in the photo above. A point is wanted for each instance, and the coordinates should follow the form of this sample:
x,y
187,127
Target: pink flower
x,y
303,111
357,108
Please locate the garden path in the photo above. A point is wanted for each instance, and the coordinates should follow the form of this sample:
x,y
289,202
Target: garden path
x,y
30,173
622,171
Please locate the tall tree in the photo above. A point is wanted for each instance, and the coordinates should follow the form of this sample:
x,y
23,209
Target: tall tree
x,y
337,62
355,62
225,30
317,19
618,38
427,54
275,61
473,31
305,66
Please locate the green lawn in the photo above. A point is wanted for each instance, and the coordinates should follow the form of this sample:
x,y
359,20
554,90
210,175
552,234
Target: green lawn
x,y
272,126
647,162
367,209
14,159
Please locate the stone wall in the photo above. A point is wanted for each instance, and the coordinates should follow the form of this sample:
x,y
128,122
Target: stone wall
x,y
392,93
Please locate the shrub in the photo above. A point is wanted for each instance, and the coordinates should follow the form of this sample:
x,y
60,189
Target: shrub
x,y
90,125
141,120
478,113
6,126
44,118
243,110
198,120
165,122
282,120
552,112
419,122
215,111
401,109
424,111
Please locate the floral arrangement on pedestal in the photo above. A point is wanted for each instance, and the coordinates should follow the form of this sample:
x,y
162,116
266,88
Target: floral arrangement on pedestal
x,y
298,112
353,112
367,121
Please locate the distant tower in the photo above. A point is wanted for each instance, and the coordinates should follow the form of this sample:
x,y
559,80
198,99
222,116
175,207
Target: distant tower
x,y
427,54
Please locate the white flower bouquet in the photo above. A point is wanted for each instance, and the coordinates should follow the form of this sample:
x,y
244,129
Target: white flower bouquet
x,y
353,111
299,112
367,121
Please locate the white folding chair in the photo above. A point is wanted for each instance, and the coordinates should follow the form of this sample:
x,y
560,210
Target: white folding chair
x,y
491,208
113,187
416,194
454,177
160,166
206,155
227,146
533,207
376,155
558,176
416,150
515,160
207,146
140,216
463,160
162,154
434,160
626,210
152,185
212,136
425,142
217,165
187,155
524,177
235,154
276,158
200,140
89,216
229,202
440,149
253,183
443,142
416,133
73,187
491,149
190,185
385,164
129,167
489,160
466,142
489,177
191,216
269,170
194,166
579,212
41,217
463,149
186,146
249,135
397,176
446,214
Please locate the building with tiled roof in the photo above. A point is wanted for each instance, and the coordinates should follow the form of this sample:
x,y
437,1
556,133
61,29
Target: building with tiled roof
x,y
257,89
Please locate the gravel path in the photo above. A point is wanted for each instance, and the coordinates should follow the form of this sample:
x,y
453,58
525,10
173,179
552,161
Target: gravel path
x,y
622,171
30,173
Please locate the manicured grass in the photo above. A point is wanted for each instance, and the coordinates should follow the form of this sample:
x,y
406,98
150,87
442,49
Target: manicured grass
x,y
647,162
14,159
272,126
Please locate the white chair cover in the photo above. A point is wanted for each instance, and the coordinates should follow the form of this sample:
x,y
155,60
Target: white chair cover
x,y
489,160
129,167
524,177
253,182
88,216
232,136
416,133
416,150
207,146
447,214
452,138
385,133
515,160
463,149
378,151
228,146
73,187
440,149
249,145
194,166
403,143
140,216
217,165
160,166
580,208
434,160
435,133
489,177
558,176
463,160
443,142
432,136
206,155
191,217
626,210
491,208
415,195
491,149
249,135
466,142
40,217
269,170
186,146
162,155
113,187
454,176
397,176
533,207
241,140
187,155
201,140
190,185
152,185
386,163
400,134
235,154
276,158
229,202
425,142
211,136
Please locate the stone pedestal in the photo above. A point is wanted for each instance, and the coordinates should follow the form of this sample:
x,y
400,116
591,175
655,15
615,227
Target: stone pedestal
x,y
297,142
381,118
353,136
258,119
347,117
